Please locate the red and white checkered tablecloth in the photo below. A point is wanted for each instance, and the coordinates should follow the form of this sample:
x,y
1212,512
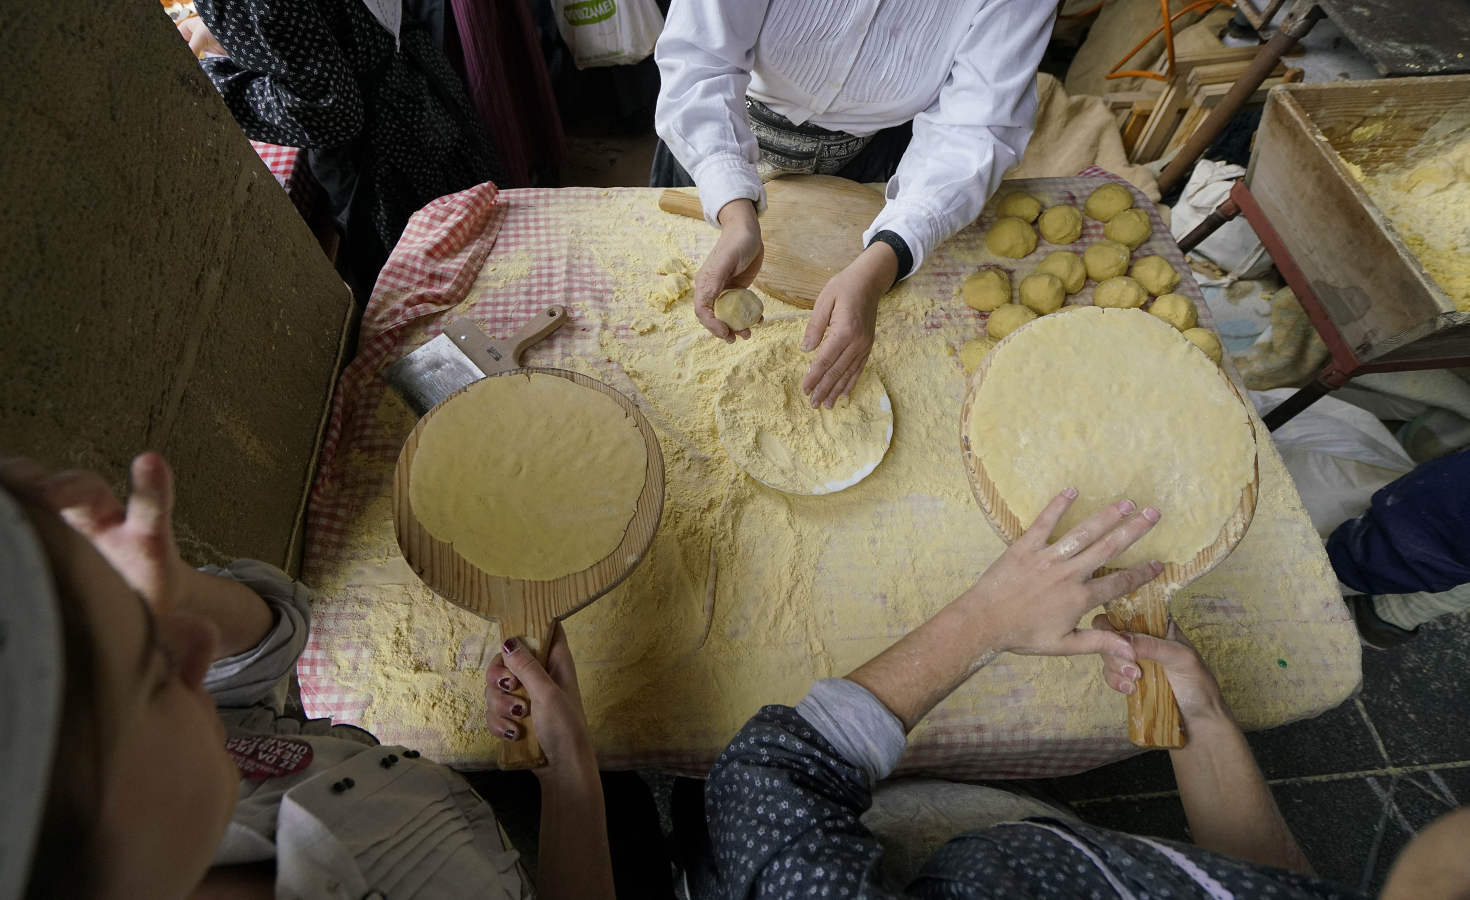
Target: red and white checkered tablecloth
x,y
501,258
288,165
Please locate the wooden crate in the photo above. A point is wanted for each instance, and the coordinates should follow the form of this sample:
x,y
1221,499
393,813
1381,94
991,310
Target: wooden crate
x,y
1376,292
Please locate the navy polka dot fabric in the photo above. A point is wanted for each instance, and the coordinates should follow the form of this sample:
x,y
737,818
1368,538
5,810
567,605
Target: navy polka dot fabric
x,y
390,128
784,811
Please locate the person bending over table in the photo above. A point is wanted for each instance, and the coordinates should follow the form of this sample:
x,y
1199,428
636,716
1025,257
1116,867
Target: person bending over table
x,y
126,782
786,799
751,91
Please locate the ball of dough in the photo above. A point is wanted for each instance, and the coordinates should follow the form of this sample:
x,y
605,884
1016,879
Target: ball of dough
x,y
987,289
1176,309
974,351
1105,259
1155,274
1131,227
1042,292
1061,224
1121,292
1205,339
1020,205
1011,237
738,308
1007,319
1107,201
1067,266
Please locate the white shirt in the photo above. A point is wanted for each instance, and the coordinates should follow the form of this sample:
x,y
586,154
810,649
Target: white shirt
x,y
962,71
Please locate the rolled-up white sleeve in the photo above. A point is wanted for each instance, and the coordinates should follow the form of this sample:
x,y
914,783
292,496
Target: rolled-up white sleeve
x,y
704,55
976,129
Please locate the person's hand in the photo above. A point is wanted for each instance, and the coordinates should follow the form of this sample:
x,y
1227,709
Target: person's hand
x,y
733,263
136,539
200,39
1195,688
842,324
1036,592
552,696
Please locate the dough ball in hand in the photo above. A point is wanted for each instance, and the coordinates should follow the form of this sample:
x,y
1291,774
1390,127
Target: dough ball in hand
x,y
987,289
1105,259
1020,205
1061,224
1205,339
974,351
1068,267
1155,274
1107,201
1176,309
1007,319
1042,293
1121,292
1010,237
738,308
1131,227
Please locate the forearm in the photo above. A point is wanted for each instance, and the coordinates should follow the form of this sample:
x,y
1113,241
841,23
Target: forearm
x,y
241,616
1226,800
574,860
929,662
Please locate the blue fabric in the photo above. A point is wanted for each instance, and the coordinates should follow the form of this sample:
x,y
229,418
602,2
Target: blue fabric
x,y
1414,537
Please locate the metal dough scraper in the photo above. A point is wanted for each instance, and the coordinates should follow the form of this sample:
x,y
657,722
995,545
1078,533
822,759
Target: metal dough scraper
x,y
461,355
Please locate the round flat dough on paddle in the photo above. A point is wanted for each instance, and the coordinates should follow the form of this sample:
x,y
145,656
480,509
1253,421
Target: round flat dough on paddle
x,y
769,429
739,308
1114,403
1061,224
1020,205
529,476
1007,319
1107,201
1010,237
1068,267
1105,259
987,289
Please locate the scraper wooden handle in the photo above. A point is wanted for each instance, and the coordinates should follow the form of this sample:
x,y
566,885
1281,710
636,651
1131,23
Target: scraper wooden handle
x,y
1153,713
526,752
681,203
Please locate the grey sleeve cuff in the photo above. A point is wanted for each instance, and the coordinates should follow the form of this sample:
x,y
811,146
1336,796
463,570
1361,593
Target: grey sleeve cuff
x,y
253,677
856,723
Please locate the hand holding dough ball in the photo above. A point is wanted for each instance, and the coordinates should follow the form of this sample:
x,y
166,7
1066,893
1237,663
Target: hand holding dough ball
x,y
1007,319
1176,309
974,351
1131,227
1042,293
1205,339
1155,274
1107,201
1061,224
1120,292
738,308
987,289
1020,205
1067,267
1105,259
1010,237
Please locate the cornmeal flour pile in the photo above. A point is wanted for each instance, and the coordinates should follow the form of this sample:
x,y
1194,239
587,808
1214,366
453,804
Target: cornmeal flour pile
x,y
748,594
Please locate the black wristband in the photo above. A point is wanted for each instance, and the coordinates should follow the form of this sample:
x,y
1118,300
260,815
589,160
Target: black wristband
x,y
900,249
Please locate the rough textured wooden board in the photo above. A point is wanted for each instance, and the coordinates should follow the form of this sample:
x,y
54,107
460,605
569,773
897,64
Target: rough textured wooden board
x,y
812,227
1407,38
161,292
1153,715
526,608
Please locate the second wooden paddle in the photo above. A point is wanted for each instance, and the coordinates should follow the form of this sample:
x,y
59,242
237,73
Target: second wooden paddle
x,y
812,228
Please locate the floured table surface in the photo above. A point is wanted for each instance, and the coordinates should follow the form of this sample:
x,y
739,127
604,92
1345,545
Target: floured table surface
x,y
748,594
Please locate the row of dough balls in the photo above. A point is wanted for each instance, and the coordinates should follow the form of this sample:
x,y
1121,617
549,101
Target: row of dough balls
x,y
1112,204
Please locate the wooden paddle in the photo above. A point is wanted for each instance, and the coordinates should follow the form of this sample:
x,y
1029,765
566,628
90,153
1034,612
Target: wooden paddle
x,y
1153,713
812,228
529,609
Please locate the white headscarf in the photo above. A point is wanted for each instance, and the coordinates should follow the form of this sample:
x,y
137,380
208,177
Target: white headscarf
x,y
31,673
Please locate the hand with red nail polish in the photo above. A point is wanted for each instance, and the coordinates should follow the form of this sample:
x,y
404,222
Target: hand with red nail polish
x,y
552,697
1195,688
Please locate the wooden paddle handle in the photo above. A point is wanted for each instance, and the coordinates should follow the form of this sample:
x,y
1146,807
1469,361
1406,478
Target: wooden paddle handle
x,y
681,203
526,752
492,357
1153,713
